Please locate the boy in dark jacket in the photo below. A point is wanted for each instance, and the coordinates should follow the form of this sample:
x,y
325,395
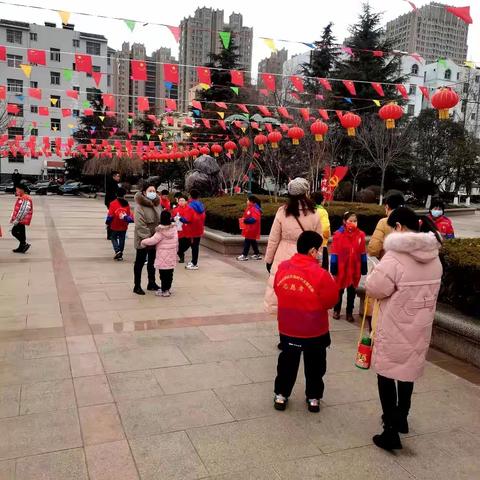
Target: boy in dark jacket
x,y
305,293
118,217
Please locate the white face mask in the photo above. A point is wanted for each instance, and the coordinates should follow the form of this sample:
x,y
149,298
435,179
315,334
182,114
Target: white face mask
x,y
119,184
151,195
437,213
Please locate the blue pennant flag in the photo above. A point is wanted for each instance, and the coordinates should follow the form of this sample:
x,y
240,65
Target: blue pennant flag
x,y
196,112
21,97
168,85
309,45
347,99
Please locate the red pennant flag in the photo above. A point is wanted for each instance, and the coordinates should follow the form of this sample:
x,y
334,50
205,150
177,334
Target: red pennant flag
x,y
414,7
237,78
283,112
325,84
264,110
269,127
242,107
255,125
204,75
284,127
350,86
339,114
238,124
305,113
83,63
268,81
72,94
3,53
170,72
206,122
297,82
424,91
142,104
108,100
139,69
12,108
402,90
171,104
378,88
36,56
377,53
88,112
417,57
221,105
196,104
35,93
43,111
97,76
66,112
463,13
3,92
222,124
175,32
188,121
110,113
323,113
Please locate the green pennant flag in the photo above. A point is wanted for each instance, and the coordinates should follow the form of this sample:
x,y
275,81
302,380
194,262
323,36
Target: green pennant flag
x,y
86,104
235,90
67,74
225,37
130,24
130,120
246,115
443,62
148,136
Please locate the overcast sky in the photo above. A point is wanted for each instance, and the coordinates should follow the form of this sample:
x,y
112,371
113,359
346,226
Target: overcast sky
x,y
301,20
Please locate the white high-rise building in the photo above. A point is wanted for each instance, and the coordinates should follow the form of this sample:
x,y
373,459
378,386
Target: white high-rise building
x,y
60,45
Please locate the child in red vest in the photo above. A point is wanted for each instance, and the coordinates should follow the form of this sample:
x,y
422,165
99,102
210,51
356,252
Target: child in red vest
x,y
21,217
194,226
118,217
165,200
444,224
348,261
251,220
305,293
178,213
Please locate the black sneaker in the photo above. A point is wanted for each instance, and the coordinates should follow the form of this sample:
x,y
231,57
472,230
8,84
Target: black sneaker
x,y
280,402
313,405
138,291
388,440
17,250
25,248
181,259
118,255
153,287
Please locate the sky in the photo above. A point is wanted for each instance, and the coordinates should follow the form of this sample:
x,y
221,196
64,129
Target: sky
x,y
302,20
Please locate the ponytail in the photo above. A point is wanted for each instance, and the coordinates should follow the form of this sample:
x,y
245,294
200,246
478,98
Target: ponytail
x,y
408,218
427,226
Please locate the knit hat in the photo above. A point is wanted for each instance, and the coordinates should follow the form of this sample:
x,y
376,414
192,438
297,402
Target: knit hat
x,y
298,186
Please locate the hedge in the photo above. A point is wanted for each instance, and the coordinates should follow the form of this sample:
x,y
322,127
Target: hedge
x,y
461,275
223,213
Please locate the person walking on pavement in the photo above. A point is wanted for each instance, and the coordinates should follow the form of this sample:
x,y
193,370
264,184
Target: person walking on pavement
x,y
111,191
21,217
251,220
16,179
406,282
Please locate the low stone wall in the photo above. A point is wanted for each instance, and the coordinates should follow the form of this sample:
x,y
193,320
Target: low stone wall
x,y
226,243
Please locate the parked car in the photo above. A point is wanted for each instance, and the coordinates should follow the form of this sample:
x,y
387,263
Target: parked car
x,y
76,188
8,187
42,188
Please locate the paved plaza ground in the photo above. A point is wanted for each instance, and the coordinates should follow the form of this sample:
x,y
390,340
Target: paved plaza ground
x,y
98,383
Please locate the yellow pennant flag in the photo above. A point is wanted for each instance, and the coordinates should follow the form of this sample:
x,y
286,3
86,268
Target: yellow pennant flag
x,y
53,101
244,129
65,16
101,117
221,114
71,125
205,86
376,102
160,136
26,69
469,64
270,43
54,129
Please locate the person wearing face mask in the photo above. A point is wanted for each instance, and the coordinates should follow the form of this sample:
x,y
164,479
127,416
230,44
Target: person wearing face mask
x,y
305,293
179,214
348,262
406,282
442,223
147,219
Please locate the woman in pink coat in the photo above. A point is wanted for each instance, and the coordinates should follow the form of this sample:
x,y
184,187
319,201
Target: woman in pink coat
x,y
406,281
291,220
165,241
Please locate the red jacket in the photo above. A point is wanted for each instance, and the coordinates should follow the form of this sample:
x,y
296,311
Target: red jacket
x,y
252,218
444,226
165,203
305,292
119,208
22,210
182,211
348,260
195,216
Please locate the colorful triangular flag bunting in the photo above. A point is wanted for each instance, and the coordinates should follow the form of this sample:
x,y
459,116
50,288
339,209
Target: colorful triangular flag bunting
x,y
130,24
225,37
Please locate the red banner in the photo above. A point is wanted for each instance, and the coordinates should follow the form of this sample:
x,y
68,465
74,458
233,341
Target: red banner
x,y
331,179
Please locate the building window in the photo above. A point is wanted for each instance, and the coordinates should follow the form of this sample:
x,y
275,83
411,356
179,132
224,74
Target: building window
x,y
412,90
472,116
477,78
75,113
33,109
448,74
54,78
76,43
76,88
17,159
55,124
91,94
33,84
414,70
57,103
458,75
465,88
411,109
33,36
14,132
14,61
14,36
55,54
109,59
14,85
95,68
109,80
93,48
34,132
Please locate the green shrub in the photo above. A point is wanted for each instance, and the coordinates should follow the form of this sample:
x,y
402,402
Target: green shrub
x,y
461,275
223,213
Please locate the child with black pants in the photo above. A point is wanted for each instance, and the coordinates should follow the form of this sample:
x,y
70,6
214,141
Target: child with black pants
x,y
250,224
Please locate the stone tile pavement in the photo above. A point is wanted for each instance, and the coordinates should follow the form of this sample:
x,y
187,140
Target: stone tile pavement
x,y
96,383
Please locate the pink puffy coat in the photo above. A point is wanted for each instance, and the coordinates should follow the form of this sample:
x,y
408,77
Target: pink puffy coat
x,y
282,245
165,240
406,281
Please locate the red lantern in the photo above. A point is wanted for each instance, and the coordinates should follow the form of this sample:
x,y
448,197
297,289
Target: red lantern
x,y
244,142
390,113
216,149
443,100
204,150
274,138
350,121
230,146
319,129
194,152
260,140
296,133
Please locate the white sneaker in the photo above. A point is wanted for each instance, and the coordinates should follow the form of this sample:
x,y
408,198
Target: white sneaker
x,y
158,293
256,257
280,402
242,258
166,293
191,266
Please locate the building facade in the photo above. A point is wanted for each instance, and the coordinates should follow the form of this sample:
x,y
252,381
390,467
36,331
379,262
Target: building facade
x,y
53,79
430,31
200,37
